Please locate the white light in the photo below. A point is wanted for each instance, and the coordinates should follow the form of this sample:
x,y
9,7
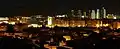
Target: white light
x,y
29,25
114,18
18,19
5,21
34,25
2,18
83,16
0,22
60,15
79,25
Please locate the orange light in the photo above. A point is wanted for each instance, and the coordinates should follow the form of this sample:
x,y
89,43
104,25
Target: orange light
x,y
104,38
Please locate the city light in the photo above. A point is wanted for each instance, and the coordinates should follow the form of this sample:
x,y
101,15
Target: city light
x,y
13,23
49,20
5,21
97,25
83,16
61,25
61,15
105,25
85,35
67,38
18,19
4,18
98,14
104,38
34,25
114,17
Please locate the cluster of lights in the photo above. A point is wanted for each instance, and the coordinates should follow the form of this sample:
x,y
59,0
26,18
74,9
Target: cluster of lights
x,y
2,18
34,25
13,23
67,38
61,15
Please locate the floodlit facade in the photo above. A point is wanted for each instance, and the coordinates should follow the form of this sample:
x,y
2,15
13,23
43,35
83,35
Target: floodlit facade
x,y
51,22
104,13
93,14
98,14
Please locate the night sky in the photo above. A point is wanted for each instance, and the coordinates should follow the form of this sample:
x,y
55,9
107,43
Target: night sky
x,y
48,7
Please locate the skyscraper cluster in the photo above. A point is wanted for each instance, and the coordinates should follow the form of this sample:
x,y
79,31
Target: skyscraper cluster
x,y
92,14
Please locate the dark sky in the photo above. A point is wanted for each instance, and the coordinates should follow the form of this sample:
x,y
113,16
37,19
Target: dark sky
x,y
29,7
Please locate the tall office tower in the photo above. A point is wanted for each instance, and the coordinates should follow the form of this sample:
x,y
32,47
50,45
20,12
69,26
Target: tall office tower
x,y
89,14
84,13
72,11
79,13
103,13
98,14
93,14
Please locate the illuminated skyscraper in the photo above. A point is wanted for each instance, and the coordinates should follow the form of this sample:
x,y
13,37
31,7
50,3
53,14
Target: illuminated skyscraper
x,y
79,13
89,14
103,13
84,13
93,14
72,11
98,14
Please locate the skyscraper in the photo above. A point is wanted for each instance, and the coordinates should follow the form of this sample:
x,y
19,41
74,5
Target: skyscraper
x,y
79,13
98,14
103,13
89,14
72,11
84,13
93,14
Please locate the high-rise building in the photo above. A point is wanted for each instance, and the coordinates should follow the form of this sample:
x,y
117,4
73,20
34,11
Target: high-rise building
x,y
79,13
93,14
84,13
98,14
73,13
103,13
89,14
